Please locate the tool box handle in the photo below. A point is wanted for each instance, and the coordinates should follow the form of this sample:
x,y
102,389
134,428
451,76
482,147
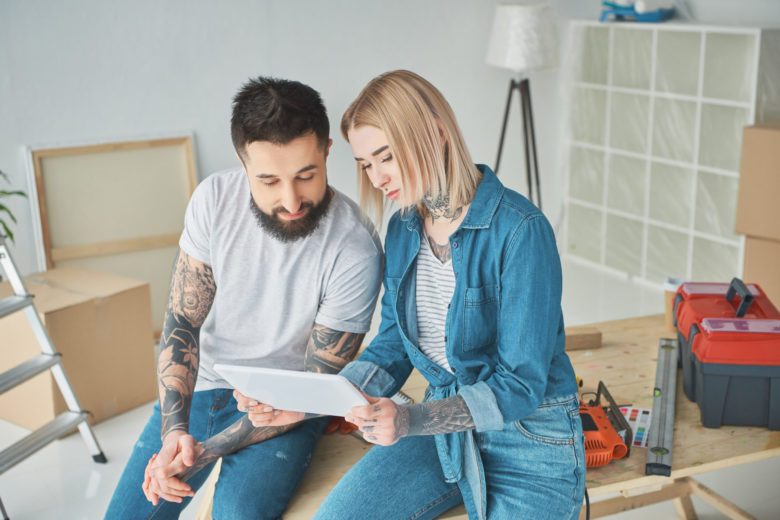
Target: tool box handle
x,y
737,286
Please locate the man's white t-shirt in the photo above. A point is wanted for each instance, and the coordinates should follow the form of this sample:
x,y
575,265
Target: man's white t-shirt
x,y
271,293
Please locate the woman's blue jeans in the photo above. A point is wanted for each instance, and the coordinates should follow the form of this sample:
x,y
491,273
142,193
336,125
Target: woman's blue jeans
x,y
534,468
255,482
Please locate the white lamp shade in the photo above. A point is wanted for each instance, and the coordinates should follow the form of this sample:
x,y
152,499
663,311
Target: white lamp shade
x,y
524,37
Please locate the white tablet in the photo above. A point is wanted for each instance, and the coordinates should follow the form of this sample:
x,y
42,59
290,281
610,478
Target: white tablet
x,y
326,394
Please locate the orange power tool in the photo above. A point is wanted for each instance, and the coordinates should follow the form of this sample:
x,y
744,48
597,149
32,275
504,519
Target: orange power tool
x,y
607,433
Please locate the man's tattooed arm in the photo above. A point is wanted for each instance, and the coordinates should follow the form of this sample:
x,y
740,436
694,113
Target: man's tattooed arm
x,y
191,295
328,350
236,436
434,417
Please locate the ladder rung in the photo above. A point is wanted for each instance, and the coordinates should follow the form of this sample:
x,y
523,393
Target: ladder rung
x,y
12,304
36,440
30,368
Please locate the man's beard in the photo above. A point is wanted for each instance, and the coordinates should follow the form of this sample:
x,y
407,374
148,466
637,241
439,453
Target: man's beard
x,y
292,230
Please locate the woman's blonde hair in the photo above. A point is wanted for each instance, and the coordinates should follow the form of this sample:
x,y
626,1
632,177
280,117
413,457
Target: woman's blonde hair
x,y
423,135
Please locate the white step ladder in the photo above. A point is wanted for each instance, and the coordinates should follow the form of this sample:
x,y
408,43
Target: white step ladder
x,y
49,359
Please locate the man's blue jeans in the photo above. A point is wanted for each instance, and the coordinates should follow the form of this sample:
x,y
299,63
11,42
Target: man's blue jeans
x,y
255,482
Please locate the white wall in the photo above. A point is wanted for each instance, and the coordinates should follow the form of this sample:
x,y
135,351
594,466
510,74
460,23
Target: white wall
x,y
92,70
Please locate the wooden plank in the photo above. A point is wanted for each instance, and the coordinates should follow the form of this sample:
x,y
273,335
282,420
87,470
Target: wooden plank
x,y
113,147
620,504
59,254
204,513
38,167
579,338
718,502
683,506
189,157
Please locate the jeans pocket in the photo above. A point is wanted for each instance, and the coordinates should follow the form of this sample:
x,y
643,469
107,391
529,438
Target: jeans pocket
x,y
480,317
550,424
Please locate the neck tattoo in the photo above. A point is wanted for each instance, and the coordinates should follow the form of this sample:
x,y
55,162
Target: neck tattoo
x,y
439,207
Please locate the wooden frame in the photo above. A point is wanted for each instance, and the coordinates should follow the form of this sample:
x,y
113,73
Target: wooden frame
x,y
53,254
108,206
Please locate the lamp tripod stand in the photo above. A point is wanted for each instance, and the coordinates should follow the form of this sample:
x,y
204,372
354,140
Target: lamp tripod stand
x,y
531,163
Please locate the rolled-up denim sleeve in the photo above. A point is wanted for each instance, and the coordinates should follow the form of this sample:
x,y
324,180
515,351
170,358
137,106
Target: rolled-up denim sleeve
x,y
369,377
483,406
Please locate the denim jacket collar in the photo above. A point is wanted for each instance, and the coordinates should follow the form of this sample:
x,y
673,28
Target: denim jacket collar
x,y
483,205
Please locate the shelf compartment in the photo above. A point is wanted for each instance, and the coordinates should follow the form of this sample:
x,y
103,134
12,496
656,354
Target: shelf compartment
x,y
587,174
667,254
585,234
626,185
624,239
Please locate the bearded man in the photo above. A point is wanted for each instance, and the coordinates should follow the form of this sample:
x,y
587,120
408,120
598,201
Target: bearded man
x,y
275,269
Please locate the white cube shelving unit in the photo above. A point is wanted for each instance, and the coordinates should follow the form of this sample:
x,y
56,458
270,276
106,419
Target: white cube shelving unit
x,y
654,140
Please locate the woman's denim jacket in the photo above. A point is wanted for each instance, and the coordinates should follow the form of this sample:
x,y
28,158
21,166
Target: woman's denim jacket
x,y
504,331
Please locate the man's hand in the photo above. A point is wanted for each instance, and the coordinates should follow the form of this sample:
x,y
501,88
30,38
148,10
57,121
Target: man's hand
x,y
382,421
176,456
263,414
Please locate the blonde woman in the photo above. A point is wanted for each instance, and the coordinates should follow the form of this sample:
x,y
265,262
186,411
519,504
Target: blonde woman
x,y
472,292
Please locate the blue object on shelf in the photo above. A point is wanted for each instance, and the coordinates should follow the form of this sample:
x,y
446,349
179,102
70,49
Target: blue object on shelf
x,y
621,13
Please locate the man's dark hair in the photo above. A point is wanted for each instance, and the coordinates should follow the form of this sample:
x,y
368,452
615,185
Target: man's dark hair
x,y
278,111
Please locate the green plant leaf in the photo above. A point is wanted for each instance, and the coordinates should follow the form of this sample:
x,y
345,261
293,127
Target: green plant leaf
x,y
8,232
4,193
8,211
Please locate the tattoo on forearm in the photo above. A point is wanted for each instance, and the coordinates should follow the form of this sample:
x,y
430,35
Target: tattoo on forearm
x,y
236,436
440,251
330,350
192,289
192,292
434,417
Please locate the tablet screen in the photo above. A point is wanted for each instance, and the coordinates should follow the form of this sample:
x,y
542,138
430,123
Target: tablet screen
x,y
326,394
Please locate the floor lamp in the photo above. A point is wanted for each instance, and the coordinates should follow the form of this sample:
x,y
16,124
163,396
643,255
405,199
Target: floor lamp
x,y
524,38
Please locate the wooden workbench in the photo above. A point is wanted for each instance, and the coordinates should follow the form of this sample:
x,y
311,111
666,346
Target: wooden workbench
x,y
626,363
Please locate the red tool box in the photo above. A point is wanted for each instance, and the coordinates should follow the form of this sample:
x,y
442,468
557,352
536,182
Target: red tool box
x,y
729,349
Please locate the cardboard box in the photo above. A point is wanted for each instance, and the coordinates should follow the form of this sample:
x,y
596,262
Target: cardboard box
x,y
758,203
762,258
101,324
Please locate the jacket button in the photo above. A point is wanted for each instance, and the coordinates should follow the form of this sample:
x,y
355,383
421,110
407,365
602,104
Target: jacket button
x,y
455,245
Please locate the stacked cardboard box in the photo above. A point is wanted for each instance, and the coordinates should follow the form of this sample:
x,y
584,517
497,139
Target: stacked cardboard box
x,y
101,324
758,206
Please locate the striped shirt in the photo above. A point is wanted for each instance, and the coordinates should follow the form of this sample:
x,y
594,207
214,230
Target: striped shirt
x,y
435,287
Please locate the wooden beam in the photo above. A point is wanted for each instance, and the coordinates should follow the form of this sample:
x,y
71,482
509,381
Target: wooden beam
x,y
684,508
113,147
114,247
616,505
718,502
579,338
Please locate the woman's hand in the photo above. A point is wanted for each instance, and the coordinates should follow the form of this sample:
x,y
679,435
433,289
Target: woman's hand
x,y
263,414
382,421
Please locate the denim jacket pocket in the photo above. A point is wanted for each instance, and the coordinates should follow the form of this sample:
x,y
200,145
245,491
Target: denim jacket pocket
x,y
550,424
480,317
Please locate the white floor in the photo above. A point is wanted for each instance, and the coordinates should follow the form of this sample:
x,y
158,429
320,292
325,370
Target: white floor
x,y
62,482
